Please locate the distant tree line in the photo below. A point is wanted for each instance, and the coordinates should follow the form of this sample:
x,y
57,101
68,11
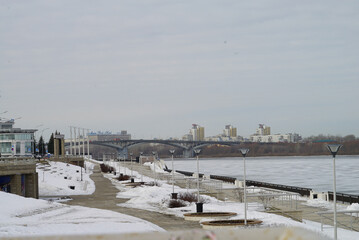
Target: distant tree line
x,y
328,138
41,146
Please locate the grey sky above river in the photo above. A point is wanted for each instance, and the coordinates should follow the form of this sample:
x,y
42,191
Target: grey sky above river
x,y
156,67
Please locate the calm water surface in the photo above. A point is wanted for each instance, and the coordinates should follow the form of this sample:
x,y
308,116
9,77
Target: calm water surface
x,y
312,172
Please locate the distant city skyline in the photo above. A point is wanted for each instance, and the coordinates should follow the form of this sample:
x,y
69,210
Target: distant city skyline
x,y
154,68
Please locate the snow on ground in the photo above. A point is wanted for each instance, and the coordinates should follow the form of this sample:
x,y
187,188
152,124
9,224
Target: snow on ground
x,y
156,198
32,217
55,179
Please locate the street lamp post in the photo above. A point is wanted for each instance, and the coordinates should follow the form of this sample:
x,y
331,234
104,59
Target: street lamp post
x,y
199,205
244,152
334,148
43,140
81,173
154,166
141,153
174,195
132,179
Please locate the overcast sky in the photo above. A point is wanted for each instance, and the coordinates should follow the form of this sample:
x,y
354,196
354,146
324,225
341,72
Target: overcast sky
x,y
155,67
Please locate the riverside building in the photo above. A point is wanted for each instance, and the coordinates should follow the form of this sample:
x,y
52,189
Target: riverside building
x,y
15,142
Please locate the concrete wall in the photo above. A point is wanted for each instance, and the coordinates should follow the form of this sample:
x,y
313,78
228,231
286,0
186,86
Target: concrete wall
x,y
78,161
24,178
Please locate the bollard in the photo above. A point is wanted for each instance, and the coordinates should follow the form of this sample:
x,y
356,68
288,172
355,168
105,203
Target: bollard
x,y
132,180
199,207
114,173
121,174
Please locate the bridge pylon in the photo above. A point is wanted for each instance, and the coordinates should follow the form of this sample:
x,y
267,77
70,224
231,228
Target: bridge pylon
x,y
122,153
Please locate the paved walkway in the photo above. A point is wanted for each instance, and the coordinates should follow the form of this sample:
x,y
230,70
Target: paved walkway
x,y
104,197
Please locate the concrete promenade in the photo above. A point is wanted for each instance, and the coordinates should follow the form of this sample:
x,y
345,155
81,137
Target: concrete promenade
x,y
104,197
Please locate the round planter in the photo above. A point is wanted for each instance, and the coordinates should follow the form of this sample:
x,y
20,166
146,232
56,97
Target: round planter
x,y
214,215
229,223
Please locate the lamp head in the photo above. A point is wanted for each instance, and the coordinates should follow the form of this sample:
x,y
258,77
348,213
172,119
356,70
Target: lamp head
x,y
334,148
197,151
244,151
172,151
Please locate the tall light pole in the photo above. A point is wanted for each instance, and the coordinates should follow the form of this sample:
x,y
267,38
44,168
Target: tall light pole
x,y
132,179
174,195
199,205
154,166
141,153
43,140
79,146
83,142
75,139
88,144
124,165
244,152
334,148
70,140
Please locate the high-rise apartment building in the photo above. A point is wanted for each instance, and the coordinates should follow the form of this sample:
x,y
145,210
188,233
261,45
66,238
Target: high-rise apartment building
x,y
230,131
197,132
263,130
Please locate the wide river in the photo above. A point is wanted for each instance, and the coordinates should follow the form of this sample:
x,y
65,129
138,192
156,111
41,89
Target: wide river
x,y
314,172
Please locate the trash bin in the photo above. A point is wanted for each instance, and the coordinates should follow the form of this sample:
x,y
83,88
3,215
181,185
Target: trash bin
x,y
174,195
199,207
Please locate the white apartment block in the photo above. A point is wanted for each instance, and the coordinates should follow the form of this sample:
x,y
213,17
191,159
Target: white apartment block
x,y
263,135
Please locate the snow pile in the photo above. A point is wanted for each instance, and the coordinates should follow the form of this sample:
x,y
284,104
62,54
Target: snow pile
x,y
55,179
354,207
159,165
27,216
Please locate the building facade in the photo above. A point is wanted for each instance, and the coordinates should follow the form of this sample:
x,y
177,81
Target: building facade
x,y
108,136
15,141
263,134
196,133
230,131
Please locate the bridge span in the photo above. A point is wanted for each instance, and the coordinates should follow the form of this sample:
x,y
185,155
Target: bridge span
x,y
122,146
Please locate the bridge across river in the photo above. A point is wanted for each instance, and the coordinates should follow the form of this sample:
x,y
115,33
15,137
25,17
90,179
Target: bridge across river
x,y
188,147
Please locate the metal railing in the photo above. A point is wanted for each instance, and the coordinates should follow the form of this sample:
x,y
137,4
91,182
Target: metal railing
x,y
300,190
344,198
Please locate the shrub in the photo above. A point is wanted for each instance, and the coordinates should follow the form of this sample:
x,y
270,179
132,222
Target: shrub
x,y
106,169
189,197
175,203
123,178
